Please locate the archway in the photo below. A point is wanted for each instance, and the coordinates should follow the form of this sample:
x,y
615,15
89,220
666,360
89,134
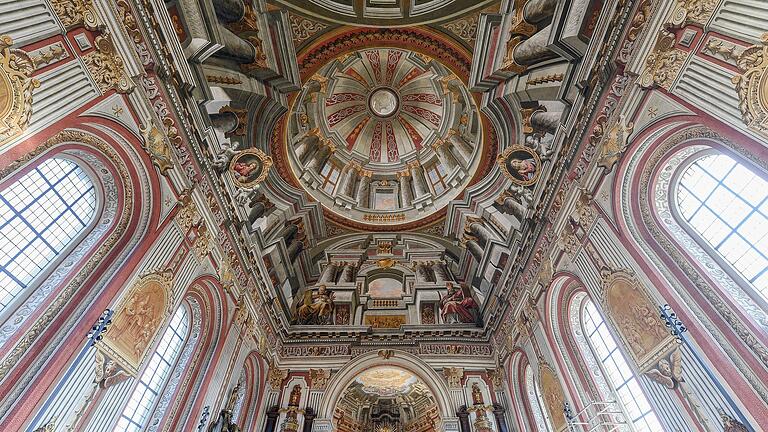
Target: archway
x,y
398,389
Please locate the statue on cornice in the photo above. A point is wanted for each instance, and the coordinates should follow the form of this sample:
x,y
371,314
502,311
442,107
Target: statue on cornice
x,y
317,307
458,306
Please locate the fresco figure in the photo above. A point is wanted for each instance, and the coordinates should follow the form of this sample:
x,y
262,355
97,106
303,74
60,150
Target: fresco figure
x,y
317,307
457,306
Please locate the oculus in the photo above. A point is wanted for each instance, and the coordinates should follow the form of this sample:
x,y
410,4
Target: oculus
x,y
383,102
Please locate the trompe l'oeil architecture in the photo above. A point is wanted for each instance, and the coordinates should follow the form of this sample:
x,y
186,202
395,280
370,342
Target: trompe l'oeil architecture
x,y
383,215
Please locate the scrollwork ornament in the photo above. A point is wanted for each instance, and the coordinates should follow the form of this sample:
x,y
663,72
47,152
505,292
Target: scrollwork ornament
x,y
107,67
752,86
157,148
16,87
664,64
74,13
692,12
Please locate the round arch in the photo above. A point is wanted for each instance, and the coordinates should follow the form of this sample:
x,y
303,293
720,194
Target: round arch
x,y
436,384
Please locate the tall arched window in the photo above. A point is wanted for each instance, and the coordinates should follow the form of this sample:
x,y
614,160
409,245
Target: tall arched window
x,y
541,418
617,371
41,214
156,374
726,204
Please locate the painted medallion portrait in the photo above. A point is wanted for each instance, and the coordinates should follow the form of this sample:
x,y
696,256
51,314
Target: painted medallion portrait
x,y
520,164
250,167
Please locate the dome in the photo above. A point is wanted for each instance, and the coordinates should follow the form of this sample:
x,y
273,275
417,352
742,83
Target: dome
x,y
384,136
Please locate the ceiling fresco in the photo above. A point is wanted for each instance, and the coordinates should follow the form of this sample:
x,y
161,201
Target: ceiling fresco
x,y
384,136
384,12
386,381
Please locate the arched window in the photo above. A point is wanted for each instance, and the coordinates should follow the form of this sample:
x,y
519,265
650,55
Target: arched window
x,y
41,214
617,371
726,204
156,374
536,402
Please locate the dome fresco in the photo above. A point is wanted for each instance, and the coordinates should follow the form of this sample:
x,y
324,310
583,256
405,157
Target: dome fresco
x,y
384,135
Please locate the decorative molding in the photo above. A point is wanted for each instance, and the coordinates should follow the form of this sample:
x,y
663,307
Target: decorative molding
x,y
16,88
74,13
303,28
664,64
375,217
752,86
106,66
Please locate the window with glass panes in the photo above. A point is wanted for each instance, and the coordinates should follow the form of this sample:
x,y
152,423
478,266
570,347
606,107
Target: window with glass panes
x,y
41,214
727,205
155,375
437,176
618,372
330,175
536,402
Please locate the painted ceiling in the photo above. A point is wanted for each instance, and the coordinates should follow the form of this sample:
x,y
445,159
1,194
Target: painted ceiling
x,y
384,12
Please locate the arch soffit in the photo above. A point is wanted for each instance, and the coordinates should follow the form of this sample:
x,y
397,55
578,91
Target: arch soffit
x,y
339,382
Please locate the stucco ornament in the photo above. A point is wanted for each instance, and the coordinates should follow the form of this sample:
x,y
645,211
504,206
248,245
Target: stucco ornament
x,y
16,87
615,143
752,86
453,376
157,148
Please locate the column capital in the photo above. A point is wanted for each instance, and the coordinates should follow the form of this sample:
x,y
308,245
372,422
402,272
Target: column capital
x,y
413,164
328,143
439,142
